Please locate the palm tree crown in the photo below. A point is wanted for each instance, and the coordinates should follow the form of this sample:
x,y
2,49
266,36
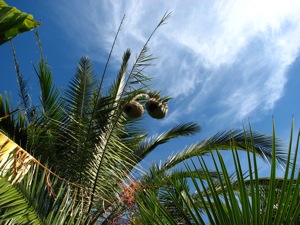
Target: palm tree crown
x,y
69,159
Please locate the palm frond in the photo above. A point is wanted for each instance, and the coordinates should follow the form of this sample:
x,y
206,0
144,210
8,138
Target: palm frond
x,y
44,126
118,86
49,94
14,208
12,121
32,194
50,97
223,141
149,144
100,111
79,100
136,75
80,91
249,199
38,199
23,84
109,56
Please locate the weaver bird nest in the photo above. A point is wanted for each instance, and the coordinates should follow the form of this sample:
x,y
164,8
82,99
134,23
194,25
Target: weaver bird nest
x,y
133,109
156,108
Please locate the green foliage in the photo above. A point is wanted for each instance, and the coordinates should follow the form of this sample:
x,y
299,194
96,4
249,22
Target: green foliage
x,y
12,121
84,135
14,207
33,201
31,193
14,22
225,198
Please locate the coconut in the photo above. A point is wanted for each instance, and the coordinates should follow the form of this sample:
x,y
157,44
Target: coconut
x,y
133,109
156,109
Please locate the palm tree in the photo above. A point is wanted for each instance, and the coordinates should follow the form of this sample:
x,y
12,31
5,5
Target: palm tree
x,y
90,136
86,133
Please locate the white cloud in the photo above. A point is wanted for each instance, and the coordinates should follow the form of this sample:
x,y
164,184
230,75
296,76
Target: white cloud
x,y
229,58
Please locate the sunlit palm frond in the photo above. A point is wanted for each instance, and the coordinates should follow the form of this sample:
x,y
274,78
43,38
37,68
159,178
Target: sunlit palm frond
x,y
30,193
118,86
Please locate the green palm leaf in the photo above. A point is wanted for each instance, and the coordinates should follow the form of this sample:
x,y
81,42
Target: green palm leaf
x,y
33,201
147,145
79,103
14,207
223,141
44,127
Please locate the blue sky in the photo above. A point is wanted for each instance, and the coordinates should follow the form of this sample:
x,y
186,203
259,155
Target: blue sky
x,y
223,62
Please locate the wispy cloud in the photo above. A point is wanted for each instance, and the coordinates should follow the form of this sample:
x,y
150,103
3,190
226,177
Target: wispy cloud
x,y
225,60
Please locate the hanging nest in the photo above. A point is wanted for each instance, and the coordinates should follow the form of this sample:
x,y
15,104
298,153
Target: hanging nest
x,y
133,109
156,108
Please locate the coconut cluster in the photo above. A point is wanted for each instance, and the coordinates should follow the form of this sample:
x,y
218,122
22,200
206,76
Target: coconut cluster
x,y
155,107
